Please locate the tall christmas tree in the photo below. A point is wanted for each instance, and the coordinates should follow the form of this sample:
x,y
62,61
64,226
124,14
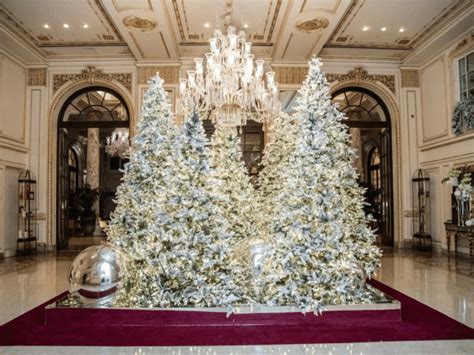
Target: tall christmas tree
x,y
167,221
322,248
137,222
236,198
275,162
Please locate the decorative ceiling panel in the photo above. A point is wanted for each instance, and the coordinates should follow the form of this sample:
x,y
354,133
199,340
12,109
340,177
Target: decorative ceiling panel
x,y
384,24
30,17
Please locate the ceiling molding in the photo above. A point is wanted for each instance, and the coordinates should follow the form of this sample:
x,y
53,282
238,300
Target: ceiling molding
x,y
435,24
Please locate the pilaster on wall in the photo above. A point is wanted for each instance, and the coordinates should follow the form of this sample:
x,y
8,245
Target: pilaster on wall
x,y
37,96
410,110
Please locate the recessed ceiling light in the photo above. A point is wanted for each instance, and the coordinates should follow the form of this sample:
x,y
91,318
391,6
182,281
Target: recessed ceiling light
x,y
85,25
207,25
401,29
383,29
65,25
46,26
246,25
365,28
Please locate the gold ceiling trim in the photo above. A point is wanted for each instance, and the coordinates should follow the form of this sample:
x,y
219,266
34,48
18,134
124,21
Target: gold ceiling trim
x,y
37,76
185,17
274,20
409,78
178,20
106,17
169,74
91,74
139,23
314,25
270,4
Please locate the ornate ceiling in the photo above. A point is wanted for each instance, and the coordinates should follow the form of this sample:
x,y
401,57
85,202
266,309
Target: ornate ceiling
x,y
285,31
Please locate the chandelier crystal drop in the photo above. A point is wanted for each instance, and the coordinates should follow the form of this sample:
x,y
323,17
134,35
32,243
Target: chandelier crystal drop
x,y
118,144
229,86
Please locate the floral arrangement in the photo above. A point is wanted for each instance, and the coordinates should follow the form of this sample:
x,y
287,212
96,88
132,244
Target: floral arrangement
x,y
460,178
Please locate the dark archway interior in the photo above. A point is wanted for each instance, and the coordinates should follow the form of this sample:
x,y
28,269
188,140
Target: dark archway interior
x,y
368,122
90,112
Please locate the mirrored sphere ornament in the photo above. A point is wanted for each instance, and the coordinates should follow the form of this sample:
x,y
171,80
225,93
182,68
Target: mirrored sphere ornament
x,y
95,272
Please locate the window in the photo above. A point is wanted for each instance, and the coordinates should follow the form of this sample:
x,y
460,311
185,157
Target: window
x,y
466,77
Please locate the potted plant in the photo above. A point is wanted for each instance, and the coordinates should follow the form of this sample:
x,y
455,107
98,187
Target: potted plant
x,y
84,200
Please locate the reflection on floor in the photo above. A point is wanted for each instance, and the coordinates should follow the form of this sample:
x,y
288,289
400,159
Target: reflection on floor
x,y
446,284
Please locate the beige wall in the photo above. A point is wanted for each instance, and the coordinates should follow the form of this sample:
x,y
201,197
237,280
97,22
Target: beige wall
x,y
14,145
438,148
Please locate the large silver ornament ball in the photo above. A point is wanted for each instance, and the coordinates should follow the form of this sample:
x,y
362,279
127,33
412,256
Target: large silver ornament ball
x,y
95,272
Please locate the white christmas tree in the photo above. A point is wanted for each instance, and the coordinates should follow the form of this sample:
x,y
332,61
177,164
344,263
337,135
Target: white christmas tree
x,y
167,222
275,162
322,248
137,222
236,196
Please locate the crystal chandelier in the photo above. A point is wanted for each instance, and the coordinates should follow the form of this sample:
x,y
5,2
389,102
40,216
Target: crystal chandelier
x,y
229,87
118,144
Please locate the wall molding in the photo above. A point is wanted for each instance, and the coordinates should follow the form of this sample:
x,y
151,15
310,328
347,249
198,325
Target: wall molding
x,y
170,74
37,77
92,74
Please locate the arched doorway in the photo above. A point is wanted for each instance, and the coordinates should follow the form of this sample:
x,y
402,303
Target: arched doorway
x,y
368,120
86,120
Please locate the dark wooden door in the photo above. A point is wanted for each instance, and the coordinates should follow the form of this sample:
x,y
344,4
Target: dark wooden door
x,y
62,189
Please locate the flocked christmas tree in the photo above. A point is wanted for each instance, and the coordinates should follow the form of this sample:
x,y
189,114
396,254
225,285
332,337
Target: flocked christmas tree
x,y
275,162
322,248
236,196
167,221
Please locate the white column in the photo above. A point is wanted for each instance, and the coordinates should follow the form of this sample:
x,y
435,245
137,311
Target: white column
x,y
93,166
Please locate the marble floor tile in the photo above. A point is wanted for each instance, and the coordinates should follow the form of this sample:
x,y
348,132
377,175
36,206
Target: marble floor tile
x,y
446,284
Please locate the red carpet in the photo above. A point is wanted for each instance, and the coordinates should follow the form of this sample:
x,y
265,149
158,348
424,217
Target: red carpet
x,y
125,328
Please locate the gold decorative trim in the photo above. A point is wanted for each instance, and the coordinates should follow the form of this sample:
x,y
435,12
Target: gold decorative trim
x,y
139,23
169,74
290,75
310,26
91,74
409,78
37,77
296,75
177,15
466,43
358,75
274,20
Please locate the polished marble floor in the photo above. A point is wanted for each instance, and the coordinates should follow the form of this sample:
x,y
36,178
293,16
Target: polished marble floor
x,y
446,284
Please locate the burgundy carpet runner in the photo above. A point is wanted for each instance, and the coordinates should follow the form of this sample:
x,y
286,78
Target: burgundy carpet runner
x,y
141,328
